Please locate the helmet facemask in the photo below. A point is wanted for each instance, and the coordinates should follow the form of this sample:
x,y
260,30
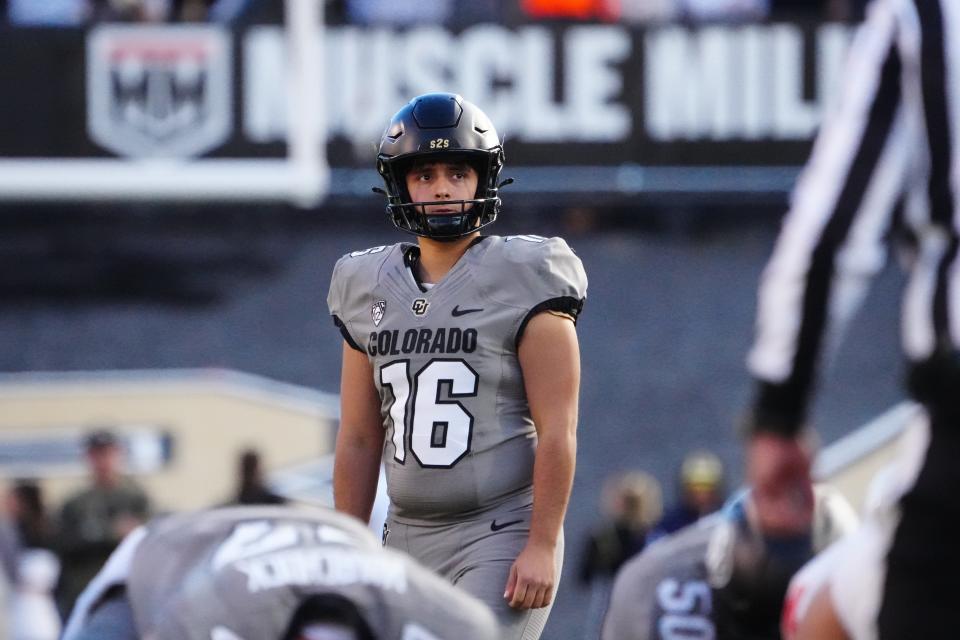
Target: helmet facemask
x,y
473,214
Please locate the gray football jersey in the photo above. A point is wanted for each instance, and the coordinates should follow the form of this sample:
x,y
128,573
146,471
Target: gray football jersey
x,y
663,593
241,574
459,438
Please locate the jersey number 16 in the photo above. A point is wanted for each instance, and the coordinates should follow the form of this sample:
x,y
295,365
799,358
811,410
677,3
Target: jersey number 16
x,y
440,430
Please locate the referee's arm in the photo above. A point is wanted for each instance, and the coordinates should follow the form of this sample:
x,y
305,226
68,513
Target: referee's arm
x,y
833,238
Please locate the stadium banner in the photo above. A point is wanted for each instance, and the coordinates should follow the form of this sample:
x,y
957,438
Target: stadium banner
x,y
591,108
146,112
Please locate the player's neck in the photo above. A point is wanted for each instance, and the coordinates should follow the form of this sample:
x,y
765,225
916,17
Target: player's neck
x,y
437,258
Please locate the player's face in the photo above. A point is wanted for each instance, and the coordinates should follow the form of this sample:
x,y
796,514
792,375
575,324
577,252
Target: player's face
x,y
441,182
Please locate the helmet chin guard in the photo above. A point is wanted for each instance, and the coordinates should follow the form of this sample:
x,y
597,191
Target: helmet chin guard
x,y
414,218
441,127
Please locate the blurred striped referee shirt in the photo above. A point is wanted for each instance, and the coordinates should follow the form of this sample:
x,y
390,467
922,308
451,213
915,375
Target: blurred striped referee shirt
x,y
892,138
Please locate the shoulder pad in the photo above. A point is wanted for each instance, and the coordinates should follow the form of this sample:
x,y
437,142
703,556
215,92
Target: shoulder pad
x,y
353,274
535,274
372,251
363,260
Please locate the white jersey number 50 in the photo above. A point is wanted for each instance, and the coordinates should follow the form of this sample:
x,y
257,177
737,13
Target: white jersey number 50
x,y
440,430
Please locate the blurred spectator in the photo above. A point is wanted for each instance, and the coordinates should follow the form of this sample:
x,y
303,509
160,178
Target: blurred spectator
x,y
818,10
846,10
222,11
399,12
9,548
26,509
4,607
411,12
724,10
75,13
632,503
33,615
93,521
9,552
571,9
640,11
702,491
48,13
252,489
643,11
132,10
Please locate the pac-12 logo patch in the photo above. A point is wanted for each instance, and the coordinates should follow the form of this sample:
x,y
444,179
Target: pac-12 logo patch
x,y
377,311
420,306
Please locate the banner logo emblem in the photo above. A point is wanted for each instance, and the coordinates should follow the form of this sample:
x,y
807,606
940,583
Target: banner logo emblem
x,y
159,92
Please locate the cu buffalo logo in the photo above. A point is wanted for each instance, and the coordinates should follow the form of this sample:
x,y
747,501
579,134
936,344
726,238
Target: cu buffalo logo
x,y
159,91
419,307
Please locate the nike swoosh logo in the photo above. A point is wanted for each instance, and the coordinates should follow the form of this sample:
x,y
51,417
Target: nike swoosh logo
x,y
457,311
496,527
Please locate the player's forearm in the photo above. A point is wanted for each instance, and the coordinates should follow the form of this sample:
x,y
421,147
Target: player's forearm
x,y
356,471
552,481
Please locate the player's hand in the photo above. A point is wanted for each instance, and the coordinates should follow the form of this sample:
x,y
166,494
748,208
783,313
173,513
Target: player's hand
x,y
532,578
778,470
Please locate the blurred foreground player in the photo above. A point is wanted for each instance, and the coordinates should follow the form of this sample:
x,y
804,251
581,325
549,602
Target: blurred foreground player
x,y
461,370
825,597
721,577
893,138
808,612
269,573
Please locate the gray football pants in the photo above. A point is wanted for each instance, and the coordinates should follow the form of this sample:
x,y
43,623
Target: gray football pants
x,y
476,556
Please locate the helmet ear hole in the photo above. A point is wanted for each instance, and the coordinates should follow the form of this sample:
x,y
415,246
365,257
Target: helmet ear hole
x,y
329,609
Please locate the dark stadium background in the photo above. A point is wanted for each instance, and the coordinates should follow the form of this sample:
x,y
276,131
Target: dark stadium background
x,y
664,334
673,234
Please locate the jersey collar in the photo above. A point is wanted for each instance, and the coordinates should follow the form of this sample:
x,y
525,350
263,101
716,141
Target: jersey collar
x,y
411,256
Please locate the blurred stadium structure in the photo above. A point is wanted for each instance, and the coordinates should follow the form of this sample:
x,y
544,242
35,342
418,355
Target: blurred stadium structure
x,y
156,98
181,430
167,209
851,463
240,112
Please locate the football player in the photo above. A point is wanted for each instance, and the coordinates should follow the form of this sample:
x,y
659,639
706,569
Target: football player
x,y
808,612
269,573
835,596
721,577
460,369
